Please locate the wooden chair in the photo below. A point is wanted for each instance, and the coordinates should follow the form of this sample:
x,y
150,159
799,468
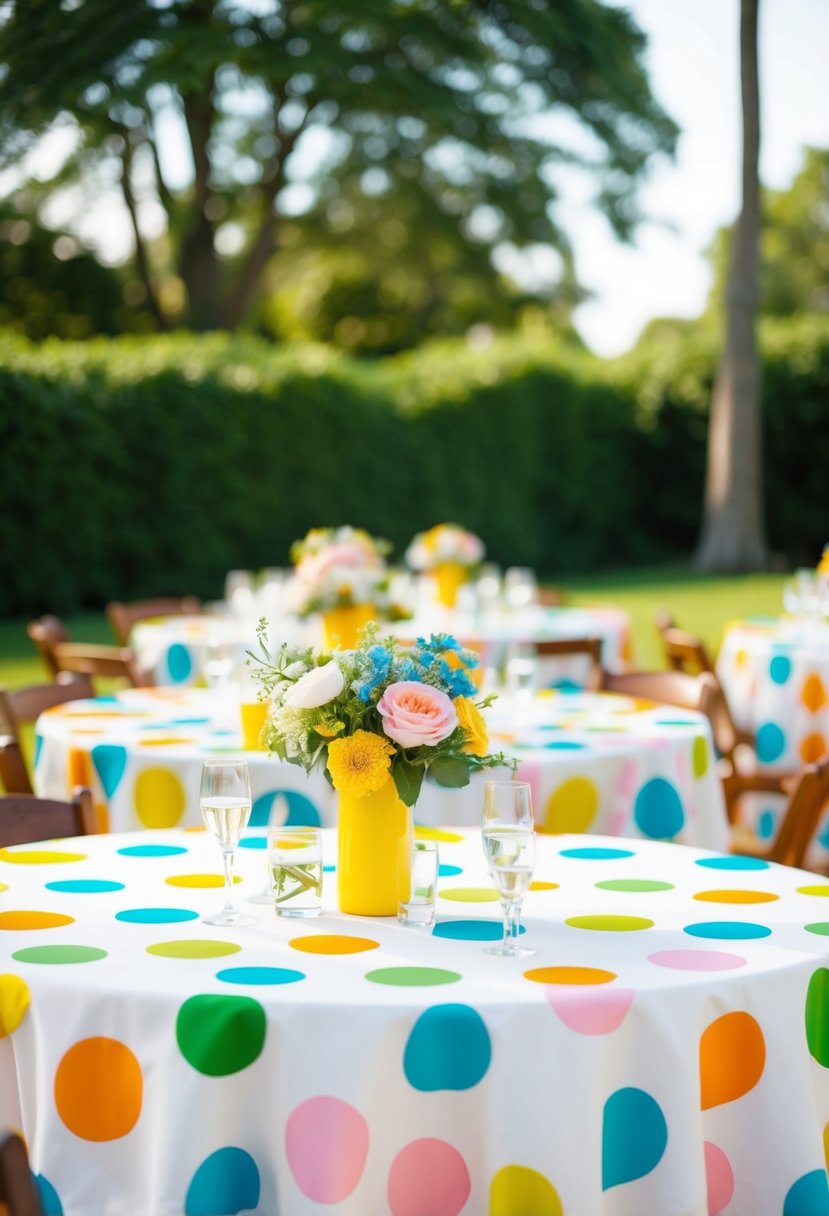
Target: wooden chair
x,y
18,1193
562,647
665,687
551,597
683,651
60,655
25,818
22,707
122,617
807,794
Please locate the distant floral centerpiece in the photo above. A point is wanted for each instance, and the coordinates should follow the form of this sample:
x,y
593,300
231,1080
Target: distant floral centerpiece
x,y
450,553
337,568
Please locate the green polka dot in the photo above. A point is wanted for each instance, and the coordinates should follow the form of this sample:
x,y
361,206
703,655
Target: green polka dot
x,y
610,924
820,926
193,949
412,977
699,757
471,895
219,1035
635,884
59,954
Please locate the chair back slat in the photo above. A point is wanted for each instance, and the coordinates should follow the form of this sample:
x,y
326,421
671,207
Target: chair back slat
x,y
123,616
665,687
25,818
801,818
18,1192
561,647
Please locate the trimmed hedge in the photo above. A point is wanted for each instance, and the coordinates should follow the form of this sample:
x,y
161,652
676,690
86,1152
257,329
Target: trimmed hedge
x,y
142,466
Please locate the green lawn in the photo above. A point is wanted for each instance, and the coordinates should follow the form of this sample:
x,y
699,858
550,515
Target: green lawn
x,y
702,604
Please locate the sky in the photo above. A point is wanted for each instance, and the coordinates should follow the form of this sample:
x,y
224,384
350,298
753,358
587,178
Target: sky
x,y
693,62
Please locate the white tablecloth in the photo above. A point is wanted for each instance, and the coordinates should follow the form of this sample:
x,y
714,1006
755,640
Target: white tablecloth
x,y
596,762
664,1053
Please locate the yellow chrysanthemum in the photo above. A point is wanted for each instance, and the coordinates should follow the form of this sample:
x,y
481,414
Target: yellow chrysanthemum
x,y
360,763
474,727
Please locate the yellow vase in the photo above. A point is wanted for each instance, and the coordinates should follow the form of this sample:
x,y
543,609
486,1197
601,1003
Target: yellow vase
x,y
341,626
450,577
253,714
375,837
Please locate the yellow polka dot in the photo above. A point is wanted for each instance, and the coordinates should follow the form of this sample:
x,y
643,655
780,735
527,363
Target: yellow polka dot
x,y
741,658
471,895
826,1145
572,807
736,897
164,741
517,1190
198,880
38,857
544,886
569,975
4,886
423,833
812,747
159,798
821,890
34,920
333,943
813,693
15,999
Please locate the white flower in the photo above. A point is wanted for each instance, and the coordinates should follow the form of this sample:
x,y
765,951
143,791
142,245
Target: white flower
x,y
317,687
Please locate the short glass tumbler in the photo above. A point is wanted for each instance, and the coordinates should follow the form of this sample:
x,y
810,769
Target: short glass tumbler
x,y
295,856
418,911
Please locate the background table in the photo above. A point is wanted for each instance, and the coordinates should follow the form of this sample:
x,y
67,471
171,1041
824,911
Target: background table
x,y
664,1051
596,762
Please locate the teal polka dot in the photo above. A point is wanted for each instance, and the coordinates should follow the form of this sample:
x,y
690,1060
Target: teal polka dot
x,y
38,748
733,930
254,842
675,722
152,850
732,863
49,1198
328,869
658,810
809,1196
596,854
780,668
471,930
448,1048
259,975
84,886
446,871
301,811
770,742
564,745
179,663
765,825
110,760
634,1136
156,916
225,1183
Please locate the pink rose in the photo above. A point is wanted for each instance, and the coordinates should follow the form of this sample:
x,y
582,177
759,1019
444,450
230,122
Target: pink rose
x,y
415,714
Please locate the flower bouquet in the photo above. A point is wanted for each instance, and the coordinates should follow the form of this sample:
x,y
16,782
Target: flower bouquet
x,y
450,553
340,573
378,719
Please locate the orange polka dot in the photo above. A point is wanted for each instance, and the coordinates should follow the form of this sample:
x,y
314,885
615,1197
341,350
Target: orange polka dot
x,y
813,693
569,975
34,920
99,1089
736,897
812,747
826,1145
732,1056
333,943
198,880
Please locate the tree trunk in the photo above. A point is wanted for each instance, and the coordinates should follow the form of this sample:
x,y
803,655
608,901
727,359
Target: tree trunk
x,y
198,261
733,533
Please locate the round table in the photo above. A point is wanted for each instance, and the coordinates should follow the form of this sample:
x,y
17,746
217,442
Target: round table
x,y
665,1050
202,651
596,762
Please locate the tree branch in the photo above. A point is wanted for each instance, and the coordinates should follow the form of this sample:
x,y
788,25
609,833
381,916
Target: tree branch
x,y
142,261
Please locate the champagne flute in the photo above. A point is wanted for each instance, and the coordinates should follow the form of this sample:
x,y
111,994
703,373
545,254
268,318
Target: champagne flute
x,y
509,848
225,807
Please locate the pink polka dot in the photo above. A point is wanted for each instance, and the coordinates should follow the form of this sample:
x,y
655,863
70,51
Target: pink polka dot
x,y
697,960
327,1143
719,1177
626,781
598,1009
428,1176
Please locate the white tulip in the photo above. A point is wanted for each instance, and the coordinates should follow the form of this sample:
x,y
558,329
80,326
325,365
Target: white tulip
x,y
317,687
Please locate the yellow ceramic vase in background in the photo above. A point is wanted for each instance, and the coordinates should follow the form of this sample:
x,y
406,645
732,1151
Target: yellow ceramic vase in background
x,y
375,837
254,714
341,626
450,577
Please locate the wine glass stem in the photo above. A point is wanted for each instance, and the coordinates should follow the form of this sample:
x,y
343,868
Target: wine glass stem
x,y
512,918
227,857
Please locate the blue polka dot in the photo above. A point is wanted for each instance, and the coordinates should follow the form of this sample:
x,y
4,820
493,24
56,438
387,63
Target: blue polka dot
x,y
471,930
658,810
596,854
566,686
733,863
634,1136
675,722
259,975
84,886
156,916
780,668
225,1183
49,1198
152,850
110,760
38,748
765,824
253,842
809,1196
445,871
549,726
189,721
179,663
301,811
770,742
564,745
448,1048
328,869
733,930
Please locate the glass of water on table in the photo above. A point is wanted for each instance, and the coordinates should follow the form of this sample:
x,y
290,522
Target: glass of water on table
x,y
225,806
509,847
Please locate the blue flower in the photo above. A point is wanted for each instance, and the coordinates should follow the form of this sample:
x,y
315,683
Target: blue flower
x,y
380,661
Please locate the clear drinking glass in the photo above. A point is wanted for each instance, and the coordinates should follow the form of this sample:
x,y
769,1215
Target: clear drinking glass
x,y
418,911
520,587
225,806
239,591
277,817
296,867
509,847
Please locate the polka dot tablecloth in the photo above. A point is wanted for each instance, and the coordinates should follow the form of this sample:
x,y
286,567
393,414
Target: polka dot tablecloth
x,y
596,762
178,650
665,1050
